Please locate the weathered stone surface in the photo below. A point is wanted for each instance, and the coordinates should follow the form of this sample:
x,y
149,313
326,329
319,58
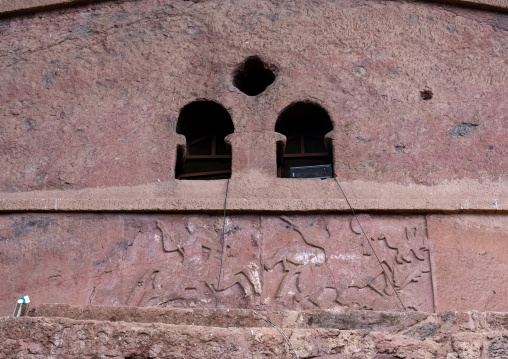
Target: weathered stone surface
x,y
256,193
470,257
218,334
269,262
329,261
388,322
17,6
89,101
90,96
499,4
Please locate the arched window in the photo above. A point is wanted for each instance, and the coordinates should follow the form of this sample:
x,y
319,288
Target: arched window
x,y
204,124
305,125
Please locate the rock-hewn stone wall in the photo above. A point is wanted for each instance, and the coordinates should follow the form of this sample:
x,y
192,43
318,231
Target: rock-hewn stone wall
x,y
270,262
20,6
90,98
91,95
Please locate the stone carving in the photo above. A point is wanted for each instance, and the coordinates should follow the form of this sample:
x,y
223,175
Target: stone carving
x,y
179,278
304,260
274,262
327,266
404,264
193,277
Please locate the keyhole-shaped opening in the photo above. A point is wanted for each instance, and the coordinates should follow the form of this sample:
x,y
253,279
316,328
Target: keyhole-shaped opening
x,y
253,76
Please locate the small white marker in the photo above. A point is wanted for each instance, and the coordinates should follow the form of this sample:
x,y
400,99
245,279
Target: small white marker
x,y
21,307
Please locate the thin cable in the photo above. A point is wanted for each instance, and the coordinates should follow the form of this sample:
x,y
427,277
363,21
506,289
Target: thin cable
x,y
370,244
222,250
266,319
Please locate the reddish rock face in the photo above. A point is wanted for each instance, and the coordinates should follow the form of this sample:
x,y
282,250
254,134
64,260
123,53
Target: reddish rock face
x,y
89,332
413,101
269,262
470,257
90,96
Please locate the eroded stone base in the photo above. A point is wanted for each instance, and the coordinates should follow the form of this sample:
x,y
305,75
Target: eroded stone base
x,y
88,332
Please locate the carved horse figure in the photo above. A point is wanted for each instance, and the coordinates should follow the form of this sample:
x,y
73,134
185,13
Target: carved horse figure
x,y
175,280
303,260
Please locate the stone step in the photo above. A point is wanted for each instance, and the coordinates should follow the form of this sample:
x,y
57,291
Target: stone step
x,y
391,322
64,331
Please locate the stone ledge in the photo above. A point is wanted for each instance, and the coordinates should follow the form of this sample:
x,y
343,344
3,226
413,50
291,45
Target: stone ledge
x,y
483,4
388,322
260,194
445,335
14,7
391,322
20,7
24,6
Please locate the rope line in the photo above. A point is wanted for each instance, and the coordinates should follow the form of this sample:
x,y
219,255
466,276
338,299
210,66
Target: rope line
x,y
370,244
266,319
222,250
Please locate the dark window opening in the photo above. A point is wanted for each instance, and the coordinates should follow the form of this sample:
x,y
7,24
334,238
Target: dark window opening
x,y
206,156
305,125
252,77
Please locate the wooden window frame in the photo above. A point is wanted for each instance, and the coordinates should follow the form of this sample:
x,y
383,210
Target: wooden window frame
x,y
212,156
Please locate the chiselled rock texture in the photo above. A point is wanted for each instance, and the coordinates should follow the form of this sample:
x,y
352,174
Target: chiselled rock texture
x,y
268,262
90,96
410,98
247,334
19,6
470,255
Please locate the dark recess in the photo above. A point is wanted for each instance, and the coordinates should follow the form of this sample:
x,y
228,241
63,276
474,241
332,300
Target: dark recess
x,y
305,125
252,77
426,95
204,124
